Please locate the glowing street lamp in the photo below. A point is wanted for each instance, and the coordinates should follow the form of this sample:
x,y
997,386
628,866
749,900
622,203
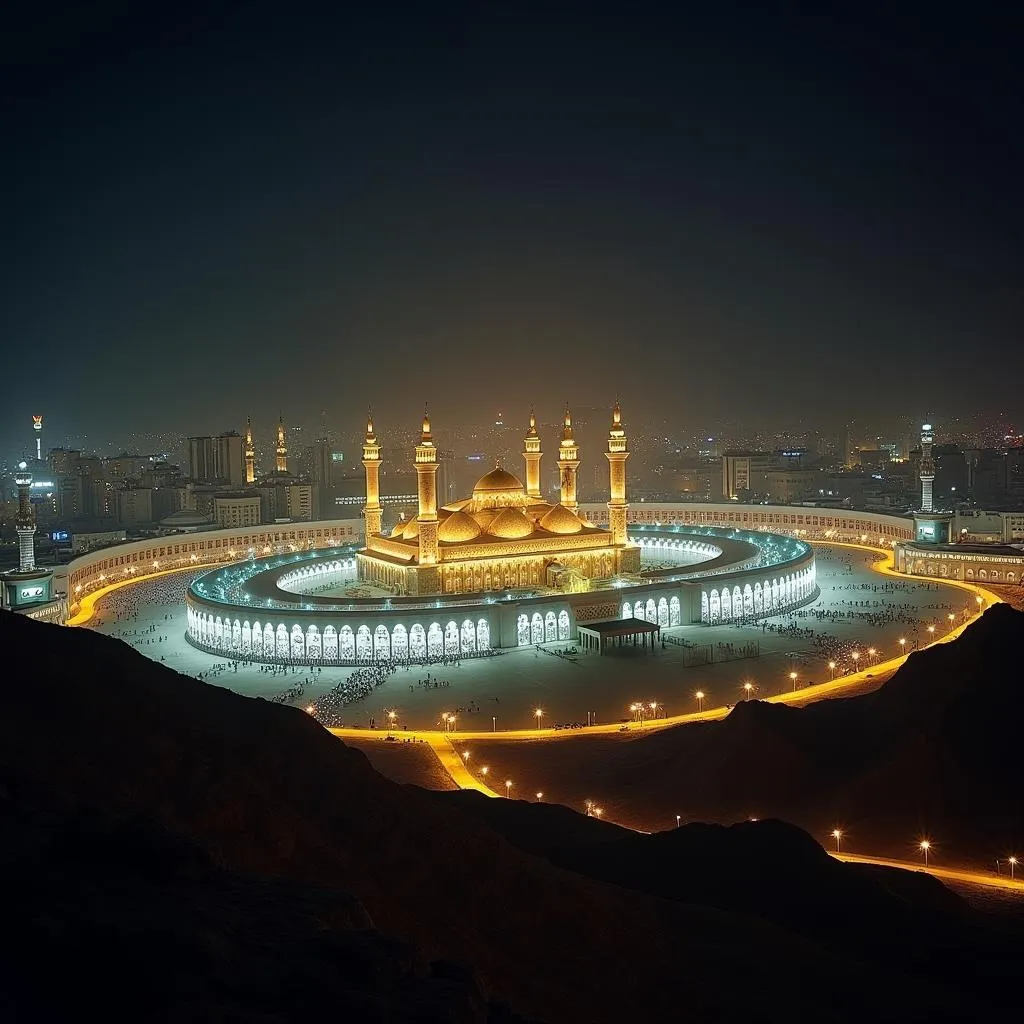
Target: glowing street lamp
x,y
931,629
1012,861
508,788
654,709
540,795
951,618
465,756
832,669
700,700
792,679
392,717
749,688
872,654
679,820
837,835
539,715
598,811
484,769
924,846
903,645
856,658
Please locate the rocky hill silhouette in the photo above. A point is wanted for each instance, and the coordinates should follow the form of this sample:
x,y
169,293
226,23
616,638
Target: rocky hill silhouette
x,y
178,852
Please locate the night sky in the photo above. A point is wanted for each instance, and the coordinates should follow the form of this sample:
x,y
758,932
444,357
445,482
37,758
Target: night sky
x,y
262,207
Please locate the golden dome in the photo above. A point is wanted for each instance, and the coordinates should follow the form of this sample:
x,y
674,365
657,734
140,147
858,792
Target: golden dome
x,y
458,527
412,530
497,480
511,524
560,520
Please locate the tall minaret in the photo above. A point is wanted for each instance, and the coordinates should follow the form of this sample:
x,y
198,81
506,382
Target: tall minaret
x,y
371,463
282,447
250,453
25,522
927,472
568,463
426,481
617,454
532,455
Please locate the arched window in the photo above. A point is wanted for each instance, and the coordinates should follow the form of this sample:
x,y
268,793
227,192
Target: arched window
x,y
348,645
758,599
236,635
399,643
705,615
451,639
246,638
417,642
282,642
537,628
435,641
675,616
726,604
550,627
483,635
298,644
563,625
364,644
522,630
467,637
257,640
330,644
218,633
314,645
627,610
381,644
715,614
662,612
748,600
651,610
269,650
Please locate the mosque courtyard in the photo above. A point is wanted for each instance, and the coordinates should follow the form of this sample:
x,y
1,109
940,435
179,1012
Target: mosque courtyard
x,y
857,620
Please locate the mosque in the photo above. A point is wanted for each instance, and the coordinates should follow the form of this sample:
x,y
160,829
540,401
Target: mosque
x,y
505,536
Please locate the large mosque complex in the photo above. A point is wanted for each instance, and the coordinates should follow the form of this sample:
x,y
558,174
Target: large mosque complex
x,y
505,536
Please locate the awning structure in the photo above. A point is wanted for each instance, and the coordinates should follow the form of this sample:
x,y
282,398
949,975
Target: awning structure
x,y
597,636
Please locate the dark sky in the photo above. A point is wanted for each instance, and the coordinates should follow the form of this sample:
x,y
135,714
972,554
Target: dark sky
x,y
260,206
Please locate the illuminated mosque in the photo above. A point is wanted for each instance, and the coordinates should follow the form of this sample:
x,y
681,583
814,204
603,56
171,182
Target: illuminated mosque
x,y
505,536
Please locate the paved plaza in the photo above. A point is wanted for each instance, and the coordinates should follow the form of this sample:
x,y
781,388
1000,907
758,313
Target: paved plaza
x,y
858,610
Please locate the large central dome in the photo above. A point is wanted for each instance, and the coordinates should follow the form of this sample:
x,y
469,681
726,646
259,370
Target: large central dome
x,y
497,480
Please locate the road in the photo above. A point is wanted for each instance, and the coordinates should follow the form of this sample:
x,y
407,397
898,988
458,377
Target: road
x,y
947,874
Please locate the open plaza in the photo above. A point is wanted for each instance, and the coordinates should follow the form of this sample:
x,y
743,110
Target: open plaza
x,y
859,618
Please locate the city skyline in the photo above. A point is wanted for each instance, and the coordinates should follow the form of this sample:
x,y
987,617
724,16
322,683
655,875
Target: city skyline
x,y
706,213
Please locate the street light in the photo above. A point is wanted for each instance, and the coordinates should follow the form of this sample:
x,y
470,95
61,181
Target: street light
x,y
539,714
924,846
903,645
654,709
856,658
1012,861
494,723
837,835
598,811
540,795
679,820
792,679
871,654
931,629
749,687
951,618
465,756
508,788
484,769
832,669
391,720
700,700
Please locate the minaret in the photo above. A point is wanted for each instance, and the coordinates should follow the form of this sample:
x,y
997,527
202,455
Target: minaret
x,y
371,463
568,463
25,522
927,472
282,447
250,453
532,455
617,454
426,481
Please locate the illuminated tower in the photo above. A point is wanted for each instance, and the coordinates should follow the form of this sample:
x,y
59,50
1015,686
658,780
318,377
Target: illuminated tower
x,y
25,522
617,454
37,427
426,486
568,464
250,453
282,448
532,455
927,473
371,463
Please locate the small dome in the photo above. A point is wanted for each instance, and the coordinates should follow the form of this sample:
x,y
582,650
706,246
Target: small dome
x,y
511,524
497,480
411,530
561,520
458,527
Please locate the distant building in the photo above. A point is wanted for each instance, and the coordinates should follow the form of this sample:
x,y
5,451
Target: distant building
x,y
238,509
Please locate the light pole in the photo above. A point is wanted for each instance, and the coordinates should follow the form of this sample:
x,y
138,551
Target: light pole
x,y
903,645
837,835
484,769
871,654
465,756
539,715
391,721
924,846
749,688
832,669
654,709
792,679
700,700
1012,861
931,630
951,618
540,795
508,788
679,820
494,723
